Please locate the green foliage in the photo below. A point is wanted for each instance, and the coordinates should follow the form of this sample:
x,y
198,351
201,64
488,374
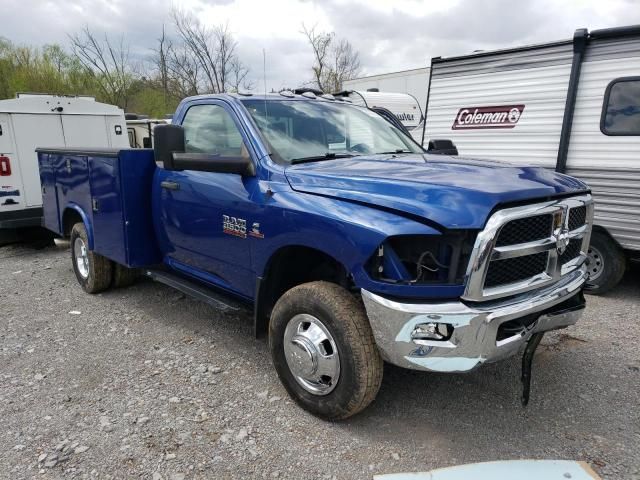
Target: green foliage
x,y
51,69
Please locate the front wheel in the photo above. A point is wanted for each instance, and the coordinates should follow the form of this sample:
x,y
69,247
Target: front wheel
x,y
92,270
323,350
606,263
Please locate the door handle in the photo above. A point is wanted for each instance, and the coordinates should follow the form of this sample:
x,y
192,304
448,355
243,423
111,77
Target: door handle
x,y
170,185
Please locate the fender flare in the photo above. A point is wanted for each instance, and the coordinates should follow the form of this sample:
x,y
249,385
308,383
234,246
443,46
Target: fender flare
x,y
85,220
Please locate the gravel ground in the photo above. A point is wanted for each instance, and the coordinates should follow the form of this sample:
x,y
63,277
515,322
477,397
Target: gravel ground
x,y
145,383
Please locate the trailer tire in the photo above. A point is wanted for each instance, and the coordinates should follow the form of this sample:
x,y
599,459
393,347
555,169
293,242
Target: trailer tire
x,y
606,263
124,276
321,327
93,271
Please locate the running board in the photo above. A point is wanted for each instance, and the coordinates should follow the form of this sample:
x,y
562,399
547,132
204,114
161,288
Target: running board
x,y
215,299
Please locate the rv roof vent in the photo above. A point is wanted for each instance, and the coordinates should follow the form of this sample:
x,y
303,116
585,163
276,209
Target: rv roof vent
x,y
373,89
309,95
287,93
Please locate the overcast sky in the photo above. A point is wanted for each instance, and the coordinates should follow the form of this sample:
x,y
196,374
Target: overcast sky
x,y
390,35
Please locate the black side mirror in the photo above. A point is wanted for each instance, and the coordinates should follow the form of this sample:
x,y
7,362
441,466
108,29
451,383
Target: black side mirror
x,y
168,139
207,162
442,147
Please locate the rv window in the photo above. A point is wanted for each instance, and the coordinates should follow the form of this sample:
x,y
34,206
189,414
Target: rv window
x,y
621,107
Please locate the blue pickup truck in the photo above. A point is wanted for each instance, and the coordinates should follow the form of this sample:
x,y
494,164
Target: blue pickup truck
x,y
352,244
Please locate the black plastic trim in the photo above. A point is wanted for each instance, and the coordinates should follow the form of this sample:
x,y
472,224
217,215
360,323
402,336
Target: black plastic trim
x,y
27,217
426,106
580,39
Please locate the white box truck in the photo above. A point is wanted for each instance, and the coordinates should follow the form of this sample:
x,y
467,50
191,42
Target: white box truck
x,y
572,106
34,120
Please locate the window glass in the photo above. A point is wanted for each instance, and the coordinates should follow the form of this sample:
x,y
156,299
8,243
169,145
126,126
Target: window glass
x,y
301,129
210,129
621,112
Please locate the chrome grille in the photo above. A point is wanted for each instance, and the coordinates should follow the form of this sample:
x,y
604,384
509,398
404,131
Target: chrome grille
x,y
516,269
528,247
525,230
577,217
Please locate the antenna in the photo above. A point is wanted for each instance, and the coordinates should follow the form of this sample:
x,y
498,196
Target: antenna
x,y
264,78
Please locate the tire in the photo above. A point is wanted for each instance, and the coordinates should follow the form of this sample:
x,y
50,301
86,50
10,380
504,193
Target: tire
x,y
339,314
606,263
95,272
124,276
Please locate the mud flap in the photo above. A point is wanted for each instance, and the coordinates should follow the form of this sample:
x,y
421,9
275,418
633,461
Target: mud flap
x,y
527,361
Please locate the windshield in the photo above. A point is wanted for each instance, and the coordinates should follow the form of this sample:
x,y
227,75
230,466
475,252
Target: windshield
x,y
316,130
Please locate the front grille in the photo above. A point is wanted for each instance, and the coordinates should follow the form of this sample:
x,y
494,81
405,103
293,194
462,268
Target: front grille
x,y
525,230
518,250
572,251
577,217
512,270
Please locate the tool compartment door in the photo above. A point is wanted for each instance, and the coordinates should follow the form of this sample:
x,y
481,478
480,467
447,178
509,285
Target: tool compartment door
x,y
106,206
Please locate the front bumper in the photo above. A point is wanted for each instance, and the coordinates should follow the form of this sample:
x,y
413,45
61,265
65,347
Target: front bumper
x,y
474,339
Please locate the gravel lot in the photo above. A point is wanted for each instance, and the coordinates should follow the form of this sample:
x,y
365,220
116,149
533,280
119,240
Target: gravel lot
x,y
146,383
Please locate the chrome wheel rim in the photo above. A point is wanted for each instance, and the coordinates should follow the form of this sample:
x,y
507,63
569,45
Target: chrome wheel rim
x,y
311,354
595,263
82,257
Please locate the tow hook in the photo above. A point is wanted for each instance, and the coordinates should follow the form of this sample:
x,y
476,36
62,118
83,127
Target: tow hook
x,y
527,360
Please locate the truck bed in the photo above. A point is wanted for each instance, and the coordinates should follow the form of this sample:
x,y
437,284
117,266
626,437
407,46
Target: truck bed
x,y
111,191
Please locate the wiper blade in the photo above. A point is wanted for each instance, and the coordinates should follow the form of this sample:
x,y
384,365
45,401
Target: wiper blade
x,y
399,150
318,158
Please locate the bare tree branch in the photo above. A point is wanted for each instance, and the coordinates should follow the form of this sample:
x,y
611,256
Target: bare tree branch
x,y
107,62
334,60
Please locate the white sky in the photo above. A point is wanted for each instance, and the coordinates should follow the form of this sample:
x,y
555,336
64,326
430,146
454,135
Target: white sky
x,y
390,35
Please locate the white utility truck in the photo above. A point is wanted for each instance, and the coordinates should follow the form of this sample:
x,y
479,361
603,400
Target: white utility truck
x,y
33,120
140,129
572,106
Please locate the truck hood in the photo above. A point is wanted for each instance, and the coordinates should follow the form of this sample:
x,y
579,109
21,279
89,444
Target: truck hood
x,y
450,191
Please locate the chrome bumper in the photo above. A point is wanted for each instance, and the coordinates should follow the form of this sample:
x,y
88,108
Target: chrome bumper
x,y
475,327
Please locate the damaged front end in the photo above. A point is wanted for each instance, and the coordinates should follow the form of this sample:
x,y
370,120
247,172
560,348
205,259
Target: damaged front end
x,y
522,275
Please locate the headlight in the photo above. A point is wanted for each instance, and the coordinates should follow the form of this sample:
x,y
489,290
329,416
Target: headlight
x,y
423,259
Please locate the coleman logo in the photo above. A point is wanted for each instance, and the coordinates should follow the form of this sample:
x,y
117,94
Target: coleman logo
x,y
502,116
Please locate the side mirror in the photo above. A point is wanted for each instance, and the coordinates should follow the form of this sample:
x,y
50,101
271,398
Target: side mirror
x,y
442,147
207,162
168,139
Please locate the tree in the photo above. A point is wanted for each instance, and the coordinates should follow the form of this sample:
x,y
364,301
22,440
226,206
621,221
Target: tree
x,y
206,55
107,62
335,60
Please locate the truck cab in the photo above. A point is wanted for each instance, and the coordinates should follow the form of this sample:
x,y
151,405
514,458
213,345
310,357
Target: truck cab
x,y
351,243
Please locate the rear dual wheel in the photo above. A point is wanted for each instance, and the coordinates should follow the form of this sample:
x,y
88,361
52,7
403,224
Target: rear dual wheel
x,y
94,272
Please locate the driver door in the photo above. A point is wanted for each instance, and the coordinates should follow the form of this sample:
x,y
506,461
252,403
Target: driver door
x,y
204,214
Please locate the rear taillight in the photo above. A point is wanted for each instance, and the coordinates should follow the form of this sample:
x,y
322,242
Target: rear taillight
x,y
5,167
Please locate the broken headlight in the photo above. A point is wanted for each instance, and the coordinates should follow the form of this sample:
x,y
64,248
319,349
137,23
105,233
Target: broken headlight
x,y
423,259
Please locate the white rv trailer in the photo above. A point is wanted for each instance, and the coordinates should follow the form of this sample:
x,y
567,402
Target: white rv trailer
x,y
572,106
37,120
415,82
403,106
